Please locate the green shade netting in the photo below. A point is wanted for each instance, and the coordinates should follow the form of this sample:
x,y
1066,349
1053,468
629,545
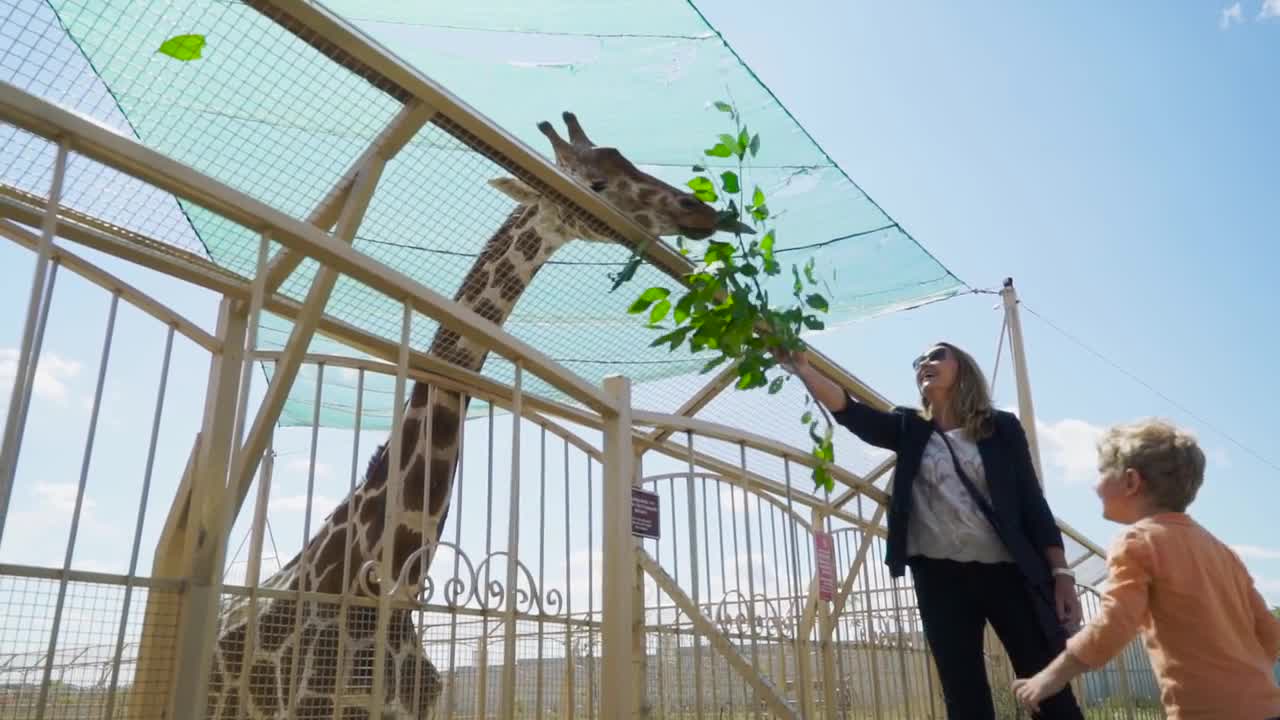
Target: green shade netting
x,y
268,114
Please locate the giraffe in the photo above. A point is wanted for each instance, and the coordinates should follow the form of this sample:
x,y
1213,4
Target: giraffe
x,y
532,232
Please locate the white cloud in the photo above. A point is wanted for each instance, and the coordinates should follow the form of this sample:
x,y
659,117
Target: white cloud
x,y
321,505
52,374
1070,447
61,497
1270,9
1233,14
1254,552
301,465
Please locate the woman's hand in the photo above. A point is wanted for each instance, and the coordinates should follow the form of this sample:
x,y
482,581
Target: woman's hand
x,y
794,363
1066,601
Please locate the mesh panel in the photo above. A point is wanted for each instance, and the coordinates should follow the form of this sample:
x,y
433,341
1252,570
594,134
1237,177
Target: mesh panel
x,y
84,677
280,114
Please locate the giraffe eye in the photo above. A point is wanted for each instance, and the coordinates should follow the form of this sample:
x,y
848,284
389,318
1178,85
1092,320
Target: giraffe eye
x,y
599,185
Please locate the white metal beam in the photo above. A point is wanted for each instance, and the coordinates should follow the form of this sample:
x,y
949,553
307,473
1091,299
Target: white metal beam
x,y
47,120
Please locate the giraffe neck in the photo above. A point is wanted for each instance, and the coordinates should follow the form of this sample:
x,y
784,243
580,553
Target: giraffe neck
x,y
492,287
354,532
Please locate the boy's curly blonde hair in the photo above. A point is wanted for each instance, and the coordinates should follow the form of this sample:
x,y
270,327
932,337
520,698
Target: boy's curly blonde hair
x,y
1169,459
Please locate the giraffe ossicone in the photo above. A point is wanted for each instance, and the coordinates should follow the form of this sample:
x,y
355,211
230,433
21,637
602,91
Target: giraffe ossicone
x,y
294,659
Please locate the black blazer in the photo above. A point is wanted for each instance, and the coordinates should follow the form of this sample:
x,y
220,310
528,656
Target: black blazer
x,y
1026,525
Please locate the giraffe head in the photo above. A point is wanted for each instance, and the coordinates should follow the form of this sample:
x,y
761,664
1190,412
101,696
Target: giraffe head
x,y
653,204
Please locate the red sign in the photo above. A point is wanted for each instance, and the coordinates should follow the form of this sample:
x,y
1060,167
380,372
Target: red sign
x,y
825,556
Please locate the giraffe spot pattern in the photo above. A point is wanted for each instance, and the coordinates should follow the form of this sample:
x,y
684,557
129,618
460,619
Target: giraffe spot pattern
x,y
528,244
441,475
489,310
408,440
276,625
330,558
507,282
473,284
263,690
404,543
414,484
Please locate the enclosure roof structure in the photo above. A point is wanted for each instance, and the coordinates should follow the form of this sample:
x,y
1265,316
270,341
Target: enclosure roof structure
x,y
286,96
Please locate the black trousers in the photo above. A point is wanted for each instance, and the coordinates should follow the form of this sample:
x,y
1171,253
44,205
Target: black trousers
x,y
956,601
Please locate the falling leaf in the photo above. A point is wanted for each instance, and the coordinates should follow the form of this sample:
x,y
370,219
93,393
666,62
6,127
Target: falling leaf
x,y
183,47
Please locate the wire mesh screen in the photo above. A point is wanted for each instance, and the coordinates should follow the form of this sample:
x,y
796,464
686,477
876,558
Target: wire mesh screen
x,y
280,113
89,668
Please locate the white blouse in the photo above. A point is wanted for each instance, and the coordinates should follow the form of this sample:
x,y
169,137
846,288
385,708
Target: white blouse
x,y
945,522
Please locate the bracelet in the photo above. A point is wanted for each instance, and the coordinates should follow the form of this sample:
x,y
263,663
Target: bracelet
x,y
1064,572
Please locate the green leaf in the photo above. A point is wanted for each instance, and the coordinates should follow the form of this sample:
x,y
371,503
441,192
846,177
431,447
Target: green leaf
x,y
822,478
673,338
698,168
755,144
719,251
723,106
683,309
757,198
659,312
744,142
715,363
703,189
817,302
807,417
183,47
776,385
627,272
766,245
797,286
729,181
647,298
808,272
728,141
720,150
813,323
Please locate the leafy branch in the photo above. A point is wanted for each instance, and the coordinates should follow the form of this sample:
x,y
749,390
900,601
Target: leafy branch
x,y
724,307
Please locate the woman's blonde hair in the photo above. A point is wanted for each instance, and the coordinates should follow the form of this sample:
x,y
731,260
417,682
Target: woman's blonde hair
x,y
970,399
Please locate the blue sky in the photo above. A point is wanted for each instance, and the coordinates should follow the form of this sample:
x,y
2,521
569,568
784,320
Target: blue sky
x,y
1120,162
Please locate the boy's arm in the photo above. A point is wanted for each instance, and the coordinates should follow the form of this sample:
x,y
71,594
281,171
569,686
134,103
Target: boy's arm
x,y
1124,607
1125,603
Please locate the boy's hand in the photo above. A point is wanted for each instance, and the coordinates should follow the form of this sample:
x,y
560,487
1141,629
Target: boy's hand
x,y
1048,682
1030,693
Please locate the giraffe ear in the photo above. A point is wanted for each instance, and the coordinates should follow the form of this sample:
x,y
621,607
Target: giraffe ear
x,y
516,190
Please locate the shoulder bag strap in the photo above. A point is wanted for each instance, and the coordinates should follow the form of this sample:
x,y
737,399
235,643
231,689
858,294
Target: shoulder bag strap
x,y
978,497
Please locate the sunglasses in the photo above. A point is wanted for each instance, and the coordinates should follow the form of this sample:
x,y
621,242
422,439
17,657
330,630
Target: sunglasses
x,y
937,355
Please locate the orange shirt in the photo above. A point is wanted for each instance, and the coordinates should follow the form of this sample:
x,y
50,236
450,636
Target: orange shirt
x,y
1213,642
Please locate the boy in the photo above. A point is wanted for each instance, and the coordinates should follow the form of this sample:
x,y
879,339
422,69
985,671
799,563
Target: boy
x,y
1213,642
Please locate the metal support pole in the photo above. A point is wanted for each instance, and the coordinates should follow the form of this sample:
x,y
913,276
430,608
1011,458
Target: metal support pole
x,y
619,563
507,702
24,378
1026,410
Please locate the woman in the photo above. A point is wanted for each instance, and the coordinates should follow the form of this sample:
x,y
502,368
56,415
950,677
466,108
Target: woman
x,y
968,516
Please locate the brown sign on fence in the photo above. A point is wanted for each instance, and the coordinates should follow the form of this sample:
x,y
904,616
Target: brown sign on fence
x,y
644,513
